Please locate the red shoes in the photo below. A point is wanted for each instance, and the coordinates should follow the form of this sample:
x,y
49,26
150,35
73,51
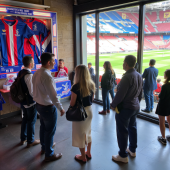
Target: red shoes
x,y
103,112
78,158
88,156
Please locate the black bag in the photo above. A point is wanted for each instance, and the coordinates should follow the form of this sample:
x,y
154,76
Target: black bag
x,y
17,93
76,113
111,82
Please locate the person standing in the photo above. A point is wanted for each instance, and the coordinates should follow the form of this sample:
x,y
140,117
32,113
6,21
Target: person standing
x,y
91,70
127,100
150,74
106,88
163,108
62,70
28,105
45,95
83,88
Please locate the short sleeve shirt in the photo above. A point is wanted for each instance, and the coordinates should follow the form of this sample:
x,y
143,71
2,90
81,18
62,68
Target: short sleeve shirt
x,y
87,101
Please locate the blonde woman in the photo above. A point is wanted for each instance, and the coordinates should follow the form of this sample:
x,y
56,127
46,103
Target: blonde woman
x,y
83,88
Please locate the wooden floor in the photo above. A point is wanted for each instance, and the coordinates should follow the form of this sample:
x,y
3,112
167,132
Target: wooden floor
x,y
150,153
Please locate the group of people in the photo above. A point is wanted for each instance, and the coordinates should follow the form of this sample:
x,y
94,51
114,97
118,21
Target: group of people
x,y
43,98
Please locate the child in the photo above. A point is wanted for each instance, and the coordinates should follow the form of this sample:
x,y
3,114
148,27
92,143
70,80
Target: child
x,y
159,85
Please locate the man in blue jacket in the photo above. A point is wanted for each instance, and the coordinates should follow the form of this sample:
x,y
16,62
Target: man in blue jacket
x,y
150,74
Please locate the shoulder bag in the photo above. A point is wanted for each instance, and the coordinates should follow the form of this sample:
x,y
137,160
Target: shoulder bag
x,y
76,113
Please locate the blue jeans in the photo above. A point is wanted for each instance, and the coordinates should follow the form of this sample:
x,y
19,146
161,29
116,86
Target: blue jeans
x,y
149,99
106,101
112,93
28,124
126,126
48,120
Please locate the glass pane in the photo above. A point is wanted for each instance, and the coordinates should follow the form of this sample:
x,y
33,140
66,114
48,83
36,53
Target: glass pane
x,y
118,38
157,42
88,43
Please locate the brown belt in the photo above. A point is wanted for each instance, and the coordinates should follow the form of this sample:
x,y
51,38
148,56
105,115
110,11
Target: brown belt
x,y
45,105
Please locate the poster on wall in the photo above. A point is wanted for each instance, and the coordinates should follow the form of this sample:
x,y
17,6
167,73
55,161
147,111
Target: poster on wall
x,y
25,32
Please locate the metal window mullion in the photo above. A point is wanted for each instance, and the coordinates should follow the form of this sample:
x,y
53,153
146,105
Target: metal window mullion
x,y
141,37
97,54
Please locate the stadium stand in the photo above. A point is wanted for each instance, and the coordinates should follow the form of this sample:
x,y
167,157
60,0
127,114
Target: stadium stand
x,y
152,16
126,22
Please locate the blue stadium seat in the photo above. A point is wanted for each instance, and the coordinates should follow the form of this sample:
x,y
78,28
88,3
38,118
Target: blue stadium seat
x,y
166,37
102,22
112,16
105,17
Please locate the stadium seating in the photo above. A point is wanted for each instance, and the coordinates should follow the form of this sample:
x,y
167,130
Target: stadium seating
x,y
124,22
152,16
163,27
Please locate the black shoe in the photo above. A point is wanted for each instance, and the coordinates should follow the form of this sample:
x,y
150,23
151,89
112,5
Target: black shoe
x,y
162,140
144,110
168,138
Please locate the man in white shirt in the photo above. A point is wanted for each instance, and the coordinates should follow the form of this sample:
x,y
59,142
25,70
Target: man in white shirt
x,y
28,105
47,102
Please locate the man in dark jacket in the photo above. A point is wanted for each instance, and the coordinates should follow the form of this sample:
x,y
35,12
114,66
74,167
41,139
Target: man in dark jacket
x,y
150,74
127,100
91,70
28,105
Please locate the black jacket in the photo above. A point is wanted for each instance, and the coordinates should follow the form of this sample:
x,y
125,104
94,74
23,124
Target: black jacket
x,y
106,78
163,107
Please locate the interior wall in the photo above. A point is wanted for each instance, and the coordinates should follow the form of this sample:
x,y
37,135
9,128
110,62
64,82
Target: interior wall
x,y
64,9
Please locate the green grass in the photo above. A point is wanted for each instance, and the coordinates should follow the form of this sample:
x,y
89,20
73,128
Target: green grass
x,y
162,58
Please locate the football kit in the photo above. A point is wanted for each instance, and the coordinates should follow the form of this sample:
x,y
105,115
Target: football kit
x,y
46,44
12,35
40,33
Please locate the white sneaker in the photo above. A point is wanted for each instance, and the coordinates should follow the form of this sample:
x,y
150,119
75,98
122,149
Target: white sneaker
x,y
118,158
133,154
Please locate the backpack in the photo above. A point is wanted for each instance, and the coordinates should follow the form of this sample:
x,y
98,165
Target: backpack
x,y
17,93
111,82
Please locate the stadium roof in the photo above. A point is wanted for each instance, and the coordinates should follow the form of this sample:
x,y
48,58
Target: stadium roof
x,y
159,6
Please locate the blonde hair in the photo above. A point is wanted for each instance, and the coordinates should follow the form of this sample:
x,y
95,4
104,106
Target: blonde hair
x,y
86,84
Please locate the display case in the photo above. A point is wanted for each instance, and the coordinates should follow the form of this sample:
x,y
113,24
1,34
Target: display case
x,y
15,42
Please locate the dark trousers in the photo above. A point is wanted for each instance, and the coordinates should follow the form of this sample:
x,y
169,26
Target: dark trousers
x,y
106,101
126,126
149,99
28,124
48,120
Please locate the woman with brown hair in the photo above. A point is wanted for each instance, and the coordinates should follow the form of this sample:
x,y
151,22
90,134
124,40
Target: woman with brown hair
x,y
83,88
163,107
107,87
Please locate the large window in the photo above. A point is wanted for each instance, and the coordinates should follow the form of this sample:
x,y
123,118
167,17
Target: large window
x,y
118,37
157,41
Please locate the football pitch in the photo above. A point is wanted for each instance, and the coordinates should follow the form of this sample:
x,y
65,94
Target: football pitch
x,y
162,58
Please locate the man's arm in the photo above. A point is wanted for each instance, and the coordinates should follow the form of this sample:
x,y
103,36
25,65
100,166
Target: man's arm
x,y
28,81
92,71
122,91
49,86
144,74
